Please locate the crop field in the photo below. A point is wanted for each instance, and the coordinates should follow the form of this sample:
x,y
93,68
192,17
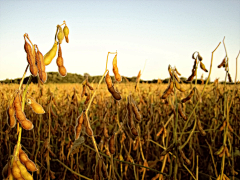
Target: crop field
x,y
57,154
110,128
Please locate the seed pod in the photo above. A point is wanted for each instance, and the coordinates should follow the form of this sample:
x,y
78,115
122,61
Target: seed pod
x,y
84,90
220,150
60,34
168,90
115,69
34,70
62,71
11,116
87,99
200,128
230,128
222,63
105,131
66,33
199,57
43,76
160,131
37,108
26,124
138,76
170,70
112,144
114,93
185,158
181,111
227,152
89,86
177,72
108,80
223,125
78,126
104,170
48,57
87,126
178,86
189,96
136,112
193,55
190,78
202,66
16,171
27,47
222,153
25,174
134,131
59,61
229,78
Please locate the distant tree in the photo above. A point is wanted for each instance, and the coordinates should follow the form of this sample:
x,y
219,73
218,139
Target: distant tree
x,y
86,75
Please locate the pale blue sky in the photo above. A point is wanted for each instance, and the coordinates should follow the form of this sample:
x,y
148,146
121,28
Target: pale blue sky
x,y
163,32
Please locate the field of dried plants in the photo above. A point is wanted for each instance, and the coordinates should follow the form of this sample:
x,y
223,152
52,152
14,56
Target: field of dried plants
x,y
64,103
115,130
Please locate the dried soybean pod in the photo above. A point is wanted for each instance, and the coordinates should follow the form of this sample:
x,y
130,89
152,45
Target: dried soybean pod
x,y
112,144
104,170
160,131
177,72
200,57
200,128
170,70
223,125
227,152
43,76
202,66
66,33
190,78
26,124
138,76
25,174
27,47
34,70
136,112
115,69
16,171
178,86
100,163
60,34
89,86
134,131
48,57
220,150
37,108
88,129
105,131
230,128
168,90
180,110
84,90
88,98
185,158
222,153
11,116
62,71
189,96
59,59
39,60
78,126
108,80
229,77
114,93
222,63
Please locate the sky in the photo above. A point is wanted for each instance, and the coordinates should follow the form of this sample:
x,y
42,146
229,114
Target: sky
x,y
160,33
